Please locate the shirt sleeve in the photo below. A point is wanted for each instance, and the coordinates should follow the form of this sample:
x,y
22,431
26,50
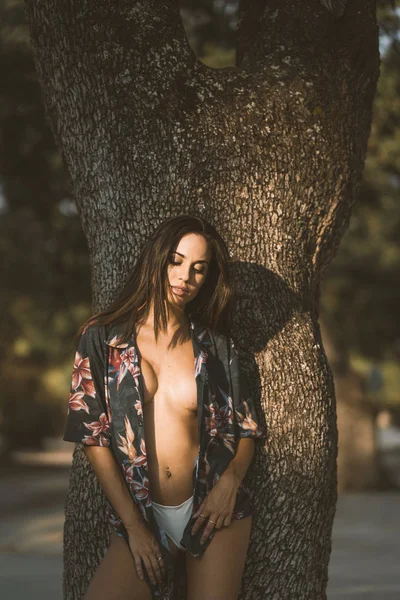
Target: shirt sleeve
x,y
247,422
87,415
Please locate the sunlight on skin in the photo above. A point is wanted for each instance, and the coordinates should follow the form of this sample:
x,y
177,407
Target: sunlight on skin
x,y
187,269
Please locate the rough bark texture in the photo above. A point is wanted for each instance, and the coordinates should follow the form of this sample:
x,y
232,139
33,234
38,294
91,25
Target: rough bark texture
x,y
271,152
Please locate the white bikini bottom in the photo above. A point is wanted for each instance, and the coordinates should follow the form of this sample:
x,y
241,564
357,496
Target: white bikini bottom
x,y
173,519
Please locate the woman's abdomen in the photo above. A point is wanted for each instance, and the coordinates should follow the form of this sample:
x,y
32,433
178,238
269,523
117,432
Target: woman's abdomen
x,y
171,454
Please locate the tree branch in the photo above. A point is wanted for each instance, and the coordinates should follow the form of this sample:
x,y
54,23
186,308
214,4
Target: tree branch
x,y
303,32
128,56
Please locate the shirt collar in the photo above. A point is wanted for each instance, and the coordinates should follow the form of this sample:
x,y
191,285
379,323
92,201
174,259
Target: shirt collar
x,y
200,336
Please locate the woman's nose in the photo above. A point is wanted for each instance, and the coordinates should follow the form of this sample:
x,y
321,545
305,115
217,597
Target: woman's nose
x,y
185,273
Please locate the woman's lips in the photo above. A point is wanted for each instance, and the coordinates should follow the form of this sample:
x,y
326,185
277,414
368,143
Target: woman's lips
x,y
178,291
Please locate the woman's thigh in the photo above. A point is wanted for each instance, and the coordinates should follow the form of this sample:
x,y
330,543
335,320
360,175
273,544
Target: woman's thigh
x,y
217,573
115,578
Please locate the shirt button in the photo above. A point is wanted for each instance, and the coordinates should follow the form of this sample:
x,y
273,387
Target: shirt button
x,y
140,421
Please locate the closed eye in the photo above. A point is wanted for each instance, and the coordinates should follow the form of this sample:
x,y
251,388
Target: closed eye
x,y
173,262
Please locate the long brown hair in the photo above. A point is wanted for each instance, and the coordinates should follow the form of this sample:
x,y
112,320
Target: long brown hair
x,y
212,306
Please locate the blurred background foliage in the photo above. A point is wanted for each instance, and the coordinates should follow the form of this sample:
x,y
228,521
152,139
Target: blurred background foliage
x,y
45,268
361,288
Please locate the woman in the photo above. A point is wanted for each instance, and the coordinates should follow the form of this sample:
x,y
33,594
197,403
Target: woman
x,y
167,422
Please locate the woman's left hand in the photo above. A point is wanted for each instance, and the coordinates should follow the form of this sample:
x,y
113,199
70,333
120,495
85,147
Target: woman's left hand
x,y
217,506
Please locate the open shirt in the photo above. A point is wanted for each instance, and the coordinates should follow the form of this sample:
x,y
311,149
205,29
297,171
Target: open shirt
x,y
106,409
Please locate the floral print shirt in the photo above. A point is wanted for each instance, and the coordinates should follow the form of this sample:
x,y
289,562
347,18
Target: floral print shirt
x,y
105,409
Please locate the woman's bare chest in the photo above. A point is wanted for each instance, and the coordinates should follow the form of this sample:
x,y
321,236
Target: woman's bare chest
x,y
168,374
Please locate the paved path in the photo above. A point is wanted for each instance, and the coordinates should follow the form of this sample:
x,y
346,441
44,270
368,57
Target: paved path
x,y
364,563
365,559
31,522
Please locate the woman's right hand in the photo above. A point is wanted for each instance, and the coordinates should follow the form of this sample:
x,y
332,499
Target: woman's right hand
x,y
145,549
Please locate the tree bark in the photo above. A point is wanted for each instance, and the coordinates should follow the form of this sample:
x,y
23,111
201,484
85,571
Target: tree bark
x,y
271,152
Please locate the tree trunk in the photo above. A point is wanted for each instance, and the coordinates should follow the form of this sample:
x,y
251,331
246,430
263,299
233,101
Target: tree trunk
x,y
271,152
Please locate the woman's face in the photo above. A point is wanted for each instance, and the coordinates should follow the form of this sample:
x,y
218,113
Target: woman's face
x,y
187,268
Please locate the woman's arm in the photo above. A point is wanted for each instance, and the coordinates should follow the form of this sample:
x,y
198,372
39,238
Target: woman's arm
x,y
142,543
239,464
114,485
219,503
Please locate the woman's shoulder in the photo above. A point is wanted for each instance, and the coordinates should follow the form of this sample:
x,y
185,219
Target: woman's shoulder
x,y
94,334
222,343
94,328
